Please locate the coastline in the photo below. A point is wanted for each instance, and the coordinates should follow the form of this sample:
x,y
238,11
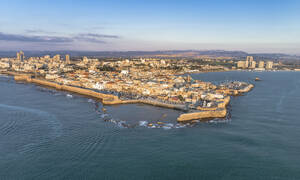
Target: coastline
x,y
107,99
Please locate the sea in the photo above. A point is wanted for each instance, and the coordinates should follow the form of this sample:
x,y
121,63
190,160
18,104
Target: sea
x,y
50,134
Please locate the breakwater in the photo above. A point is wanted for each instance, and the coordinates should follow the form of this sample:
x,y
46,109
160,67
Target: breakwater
x,y
218,112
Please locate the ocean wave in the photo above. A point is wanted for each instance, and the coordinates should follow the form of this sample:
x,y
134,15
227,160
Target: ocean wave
x,y
49,119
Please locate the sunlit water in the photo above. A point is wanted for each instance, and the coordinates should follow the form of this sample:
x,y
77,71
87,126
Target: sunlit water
x,y
48,134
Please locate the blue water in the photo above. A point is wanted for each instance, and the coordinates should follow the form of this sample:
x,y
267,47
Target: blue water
x,y
47,134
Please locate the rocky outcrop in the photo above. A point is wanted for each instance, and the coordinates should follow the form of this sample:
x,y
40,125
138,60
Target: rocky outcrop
x,y
246,89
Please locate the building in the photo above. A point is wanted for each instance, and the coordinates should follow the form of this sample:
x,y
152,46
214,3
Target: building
x,y
249,63
20,56
269,65
246,63
67,58
261,64
249,60
56,57
252,64
241,64
85,60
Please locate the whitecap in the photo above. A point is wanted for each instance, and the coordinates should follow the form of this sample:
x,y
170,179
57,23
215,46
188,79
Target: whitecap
x,y
166,127
180,126
104,115
153,126
169,125
143,123
122,124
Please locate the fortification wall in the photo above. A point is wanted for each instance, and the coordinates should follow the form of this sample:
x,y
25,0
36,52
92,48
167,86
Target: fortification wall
x,y
86,92
224,102
220,113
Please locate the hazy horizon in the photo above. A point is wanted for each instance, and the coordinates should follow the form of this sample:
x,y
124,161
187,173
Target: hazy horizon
x,y
251,26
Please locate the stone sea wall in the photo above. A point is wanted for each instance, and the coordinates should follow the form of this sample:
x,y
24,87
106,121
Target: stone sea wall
x,y
219,113
86,92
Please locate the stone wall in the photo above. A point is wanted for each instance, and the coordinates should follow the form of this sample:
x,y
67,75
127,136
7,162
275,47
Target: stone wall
x,y
86,92
220,113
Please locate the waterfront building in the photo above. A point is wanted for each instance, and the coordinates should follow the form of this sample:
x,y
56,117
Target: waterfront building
x,y
241,64
252,65
248,63
261,64
269,65
249,60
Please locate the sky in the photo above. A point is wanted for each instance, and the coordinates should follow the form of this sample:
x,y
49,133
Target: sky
x,y
258,26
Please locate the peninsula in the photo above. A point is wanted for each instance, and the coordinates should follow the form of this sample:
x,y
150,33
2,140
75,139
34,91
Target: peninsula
x,y
152,81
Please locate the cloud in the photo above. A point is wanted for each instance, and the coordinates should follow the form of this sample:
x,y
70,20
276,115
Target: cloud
x,y
85,37
38,31
32,38
96,38
94,35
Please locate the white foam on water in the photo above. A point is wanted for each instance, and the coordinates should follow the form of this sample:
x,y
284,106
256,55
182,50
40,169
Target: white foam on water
x,y
91,101
69,96
104,115
180,126
122,124
143,123
169,125
216,121
166,127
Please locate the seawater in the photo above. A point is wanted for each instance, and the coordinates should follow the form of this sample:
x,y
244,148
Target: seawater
x,y
49,134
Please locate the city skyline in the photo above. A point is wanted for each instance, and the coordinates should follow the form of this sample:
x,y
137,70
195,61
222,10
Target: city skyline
x,y
252,26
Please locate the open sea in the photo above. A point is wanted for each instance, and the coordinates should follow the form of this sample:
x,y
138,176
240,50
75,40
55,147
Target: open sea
x,y
49,134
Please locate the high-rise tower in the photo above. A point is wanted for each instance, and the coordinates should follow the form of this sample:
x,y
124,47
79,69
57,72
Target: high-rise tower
x,y
67,58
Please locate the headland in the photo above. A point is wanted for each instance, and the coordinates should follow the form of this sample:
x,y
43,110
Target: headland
x,y
147,81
